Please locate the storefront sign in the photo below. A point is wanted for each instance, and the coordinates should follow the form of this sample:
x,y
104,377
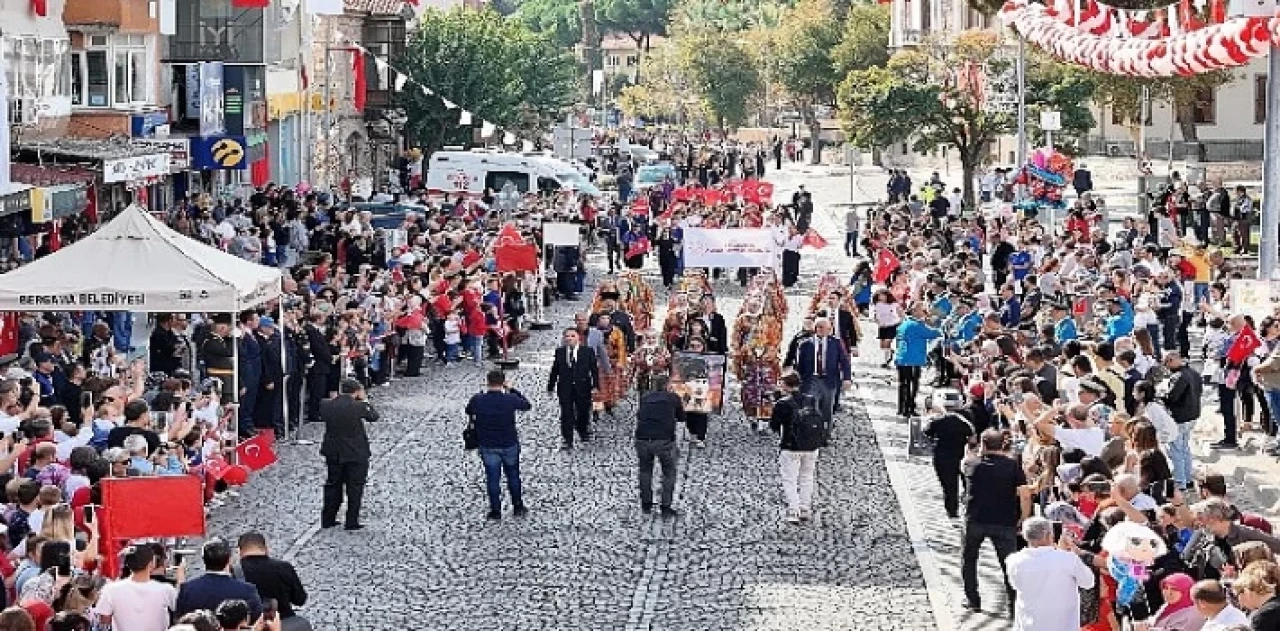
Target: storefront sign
x,y
233,100
219,153
179,150
15,202
219,30
69,200
135,168
144,125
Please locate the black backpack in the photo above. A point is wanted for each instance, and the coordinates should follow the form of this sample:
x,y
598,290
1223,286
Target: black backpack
x,y
807,430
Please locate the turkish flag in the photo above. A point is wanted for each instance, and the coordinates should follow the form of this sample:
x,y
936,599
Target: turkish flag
x,y
813,239
758,192
251,4
256,453
640,206
1245,343
516,258
152,507
40,7
886,263
509,235
10,323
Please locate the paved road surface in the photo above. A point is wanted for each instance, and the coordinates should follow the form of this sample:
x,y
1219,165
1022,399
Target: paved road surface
x,y
586,558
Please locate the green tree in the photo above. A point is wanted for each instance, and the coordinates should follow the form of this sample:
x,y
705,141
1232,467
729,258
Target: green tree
x,y
637,19
496,68
865,40
807,37
560,19
1066,89
723,74
923,97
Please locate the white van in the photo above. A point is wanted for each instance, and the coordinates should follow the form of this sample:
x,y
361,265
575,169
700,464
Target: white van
x,y
474,171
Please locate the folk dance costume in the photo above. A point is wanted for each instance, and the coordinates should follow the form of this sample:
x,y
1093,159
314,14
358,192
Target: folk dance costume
x,y
652,358
613,370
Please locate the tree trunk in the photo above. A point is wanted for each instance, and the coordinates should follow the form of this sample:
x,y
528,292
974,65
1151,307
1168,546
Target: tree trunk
x,y
969,167
815,133
590,41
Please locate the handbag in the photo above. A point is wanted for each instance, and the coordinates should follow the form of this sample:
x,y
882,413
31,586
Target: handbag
x,y
470,440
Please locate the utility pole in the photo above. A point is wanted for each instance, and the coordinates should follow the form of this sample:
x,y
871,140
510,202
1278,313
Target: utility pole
x,y
1022,102
327,174
1270,240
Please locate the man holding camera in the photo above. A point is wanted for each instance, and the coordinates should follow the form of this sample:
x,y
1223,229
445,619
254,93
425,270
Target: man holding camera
x,y
799,423
998,500
346,452
493,413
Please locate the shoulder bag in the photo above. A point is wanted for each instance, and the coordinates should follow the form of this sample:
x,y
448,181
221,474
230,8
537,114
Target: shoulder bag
x,y
470,440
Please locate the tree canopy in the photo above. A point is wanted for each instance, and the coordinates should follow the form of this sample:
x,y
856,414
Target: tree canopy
x,y
723,74
496,68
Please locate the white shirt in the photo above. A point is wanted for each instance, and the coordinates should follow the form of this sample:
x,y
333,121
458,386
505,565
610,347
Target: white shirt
x,y
1048,581
8,424
1226,619
1089,439
137,606
67,443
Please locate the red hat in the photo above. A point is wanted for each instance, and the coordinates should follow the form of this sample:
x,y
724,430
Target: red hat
x,y
976,391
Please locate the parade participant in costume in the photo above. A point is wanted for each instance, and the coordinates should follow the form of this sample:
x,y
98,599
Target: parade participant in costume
x,y
636,298
757,337
613,366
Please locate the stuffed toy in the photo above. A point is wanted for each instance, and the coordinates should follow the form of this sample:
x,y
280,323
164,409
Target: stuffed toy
x,y
1132,548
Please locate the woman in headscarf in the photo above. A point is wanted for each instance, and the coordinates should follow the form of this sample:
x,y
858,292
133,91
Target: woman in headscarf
x,y
1179,612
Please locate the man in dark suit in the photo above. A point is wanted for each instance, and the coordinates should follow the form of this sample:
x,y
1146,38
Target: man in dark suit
x,y
216,584
270,412
274,578
346,452
1082,181
321,364
718,340
823,366
574,374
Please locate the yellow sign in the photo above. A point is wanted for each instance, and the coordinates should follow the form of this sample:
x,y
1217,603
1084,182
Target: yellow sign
x,y
228,152
41,205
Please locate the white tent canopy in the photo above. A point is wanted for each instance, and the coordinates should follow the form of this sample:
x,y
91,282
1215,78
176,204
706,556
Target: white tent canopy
x,y
136,263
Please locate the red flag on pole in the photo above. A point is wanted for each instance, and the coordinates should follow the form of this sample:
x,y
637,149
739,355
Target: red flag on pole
x,y
509,235
361,84
40,7
256,453
813,239
1245,343
886,263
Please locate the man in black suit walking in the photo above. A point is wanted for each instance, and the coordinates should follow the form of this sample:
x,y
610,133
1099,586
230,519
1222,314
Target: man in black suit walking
x,y
346,452
574,375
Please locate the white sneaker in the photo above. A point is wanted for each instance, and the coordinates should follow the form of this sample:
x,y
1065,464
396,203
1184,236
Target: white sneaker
x,y
700,444
793,518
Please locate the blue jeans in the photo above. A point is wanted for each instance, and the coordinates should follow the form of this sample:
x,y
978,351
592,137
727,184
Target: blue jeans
x,y
451,352
1180,454
496,462
1273,405
475,344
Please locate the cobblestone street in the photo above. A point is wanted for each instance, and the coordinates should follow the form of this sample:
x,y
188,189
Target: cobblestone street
x,y
586,557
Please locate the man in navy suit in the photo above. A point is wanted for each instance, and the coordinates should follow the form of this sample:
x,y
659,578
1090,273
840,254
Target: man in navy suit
x,y
823,365
217,584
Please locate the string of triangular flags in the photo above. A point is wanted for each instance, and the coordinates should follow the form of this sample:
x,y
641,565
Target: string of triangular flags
x,y
1100,19
465,116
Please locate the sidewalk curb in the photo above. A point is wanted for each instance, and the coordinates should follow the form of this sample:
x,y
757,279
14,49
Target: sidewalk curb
x,y
938,590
